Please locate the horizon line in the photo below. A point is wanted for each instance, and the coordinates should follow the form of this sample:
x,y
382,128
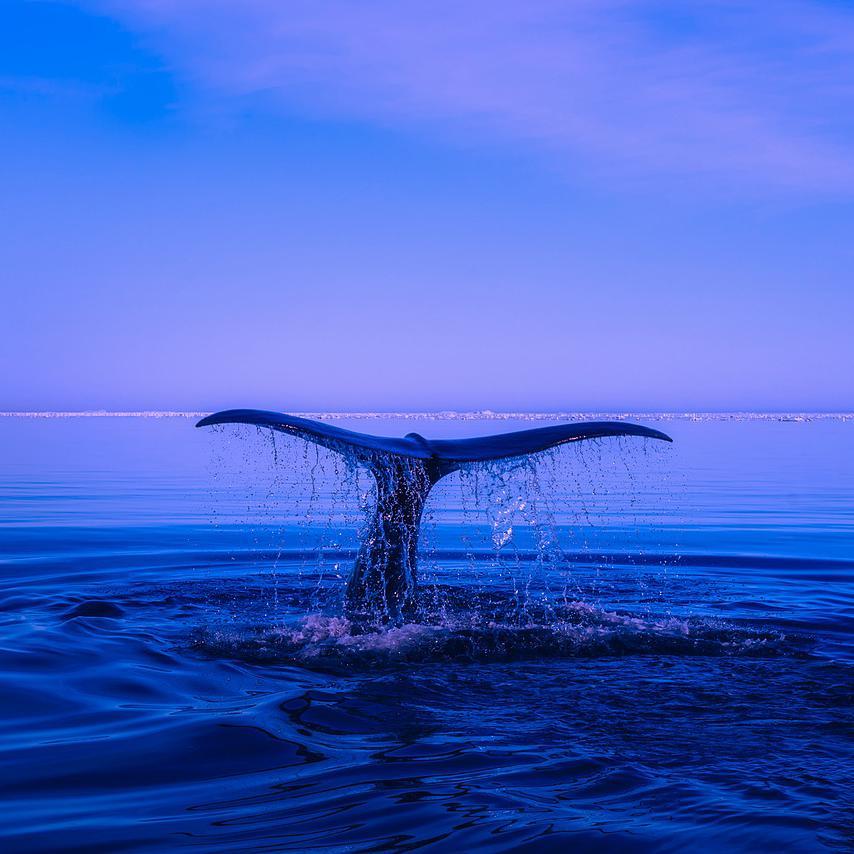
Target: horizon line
x,y
448,414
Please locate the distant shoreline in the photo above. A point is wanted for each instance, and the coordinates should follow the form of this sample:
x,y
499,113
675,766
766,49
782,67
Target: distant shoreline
x,y
483,415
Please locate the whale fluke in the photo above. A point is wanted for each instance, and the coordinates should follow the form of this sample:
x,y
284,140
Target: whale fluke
x,y
414,446
383,584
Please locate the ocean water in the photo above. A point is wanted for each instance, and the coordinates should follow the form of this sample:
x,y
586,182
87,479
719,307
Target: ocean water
x,y
623,645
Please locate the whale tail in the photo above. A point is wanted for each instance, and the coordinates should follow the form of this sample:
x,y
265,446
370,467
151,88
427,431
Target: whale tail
x,y
382,587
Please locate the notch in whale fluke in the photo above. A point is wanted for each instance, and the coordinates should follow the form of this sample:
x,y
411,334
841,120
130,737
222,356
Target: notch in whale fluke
x,y
416,447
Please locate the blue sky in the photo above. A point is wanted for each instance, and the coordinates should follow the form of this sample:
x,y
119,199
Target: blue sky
x,y
412,205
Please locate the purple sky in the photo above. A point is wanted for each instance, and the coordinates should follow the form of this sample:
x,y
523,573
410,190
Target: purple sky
x,y
427,205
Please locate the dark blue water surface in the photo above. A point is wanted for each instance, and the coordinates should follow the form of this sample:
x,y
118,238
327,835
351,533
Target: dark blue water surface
x,y
628,645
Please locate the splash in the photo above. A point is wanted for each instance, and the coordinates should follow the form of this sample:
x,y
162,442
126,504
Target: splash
x,y
575,630
517,560
383,585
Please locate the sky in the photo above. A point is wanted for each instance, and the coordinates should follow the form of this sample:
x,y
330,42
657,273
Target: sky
x,y
307,205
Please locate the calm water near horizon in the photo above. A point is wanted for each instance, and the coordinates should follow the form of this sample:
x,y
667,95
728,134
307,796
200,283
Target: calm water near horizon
x,y
624,645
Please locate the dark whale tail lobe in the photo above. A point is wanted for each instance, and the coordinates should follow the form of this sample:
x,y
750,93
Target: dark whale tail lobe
x,y
383,584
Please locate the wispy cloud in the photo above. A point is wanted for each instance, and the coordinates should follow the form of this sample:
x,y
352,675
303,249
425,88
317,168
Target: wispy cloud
x,y
51,88
740,94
